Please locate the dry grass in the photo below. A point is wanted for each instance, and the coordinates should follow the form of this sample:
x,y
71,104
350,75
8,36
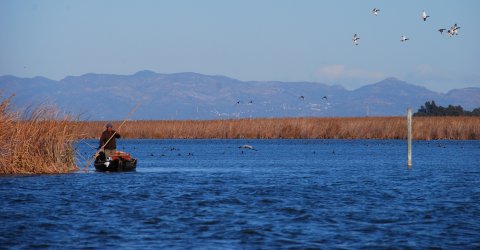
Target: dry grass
x,y
424,128
39,143
43,142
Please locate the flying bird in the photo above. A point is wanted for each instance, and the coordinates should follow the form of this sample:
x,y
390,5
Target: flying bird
x,y
404,39
375,11
441,31
453,30
355,39
424,15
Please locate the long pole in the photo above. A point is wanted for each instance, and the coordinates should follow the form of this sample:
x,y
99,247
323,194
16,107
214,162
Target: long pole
x,y
409,131
85,169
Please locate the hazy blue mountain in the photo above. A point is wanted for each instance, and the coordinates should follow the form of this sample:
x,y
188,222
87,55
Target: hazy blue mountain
x,y
197,96
468,98
390,96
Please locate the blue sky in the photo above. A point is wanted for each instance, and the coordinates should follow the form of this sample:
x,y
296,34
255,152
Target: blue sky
x,y
281,40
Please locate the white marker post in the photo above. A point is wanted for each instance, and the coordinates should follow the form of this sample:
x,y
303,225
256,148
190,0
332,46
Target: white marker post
x,y
409,136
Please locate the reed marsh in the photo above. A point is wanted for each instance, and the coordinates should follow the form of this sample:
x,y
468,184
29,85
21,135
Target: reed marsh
x,y
42,140
424,128
37,141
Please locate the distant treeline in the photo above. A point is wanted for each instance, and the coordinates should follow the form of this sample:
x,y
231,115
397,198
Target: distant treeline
x,y
431,109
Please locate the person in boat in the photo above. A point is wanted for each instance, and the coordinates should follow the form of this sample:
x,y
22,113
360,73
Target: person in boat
x,y
110,147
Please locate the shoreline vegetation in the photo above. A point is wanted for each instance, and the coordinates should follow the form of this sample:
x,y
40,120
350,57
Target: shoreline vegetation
x,y
36,141
424,128
42,140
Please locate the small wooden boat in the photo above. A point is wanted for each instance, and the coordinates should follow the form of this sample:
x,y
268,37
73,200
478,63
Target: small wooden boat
x,y
119,162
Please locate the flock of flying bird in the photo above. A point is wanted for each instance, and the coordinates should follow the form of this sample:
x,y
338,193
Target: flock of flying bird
x,y
451,32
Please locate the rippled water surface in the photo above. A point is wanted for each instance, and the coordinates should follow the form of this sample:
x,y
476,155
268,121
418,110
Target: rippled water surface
x,y
284,194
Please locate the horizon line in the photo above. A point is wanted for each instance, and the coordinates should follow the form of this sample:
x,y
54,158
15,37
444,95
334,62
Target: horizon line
x,y
246,81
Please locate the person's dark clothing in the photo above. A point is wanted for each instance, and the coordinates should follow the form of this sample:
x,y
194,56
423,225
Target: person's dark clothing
x,y
112,144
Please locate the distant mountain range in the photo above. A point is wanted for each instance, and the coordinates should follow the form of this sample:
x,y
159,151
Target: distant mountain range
x,y
197,96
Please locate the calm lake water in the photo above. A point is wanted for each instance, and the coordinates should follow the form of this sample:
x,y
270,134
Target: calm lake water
x,y
212,194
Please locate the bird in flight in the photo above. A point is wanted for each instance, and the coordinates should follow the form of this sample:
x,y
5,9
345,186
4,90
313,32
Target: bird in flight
x,y
453,30
424,15
355,39
375,11
404,39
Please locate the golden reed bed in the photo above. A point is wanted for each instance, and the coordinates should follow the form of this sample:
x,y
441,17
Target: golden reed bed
x,y
42,142
424,128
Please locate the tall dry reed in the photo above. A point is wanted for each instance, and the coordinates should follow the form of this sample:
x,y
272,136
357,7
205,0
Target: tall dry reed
x,y
424,128
40,141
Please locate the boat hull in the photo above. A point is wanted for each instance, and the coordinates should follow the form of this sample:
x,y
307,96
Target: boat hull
x,y
118,165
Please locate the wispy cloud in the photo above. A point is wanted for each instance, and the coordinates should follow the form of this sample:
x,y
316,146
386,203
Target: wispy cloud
x,y
441,79
339,72
424,70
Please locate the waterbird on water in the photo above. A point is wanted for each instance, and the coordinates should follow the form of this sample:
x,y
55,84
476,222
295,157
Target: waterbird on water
x,y
375,11
301,97
247,146
404,39
441,30
424,15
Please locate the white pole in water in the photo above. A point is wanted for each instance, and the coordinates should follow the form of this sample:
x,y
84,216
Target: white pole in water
x,y
409,129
